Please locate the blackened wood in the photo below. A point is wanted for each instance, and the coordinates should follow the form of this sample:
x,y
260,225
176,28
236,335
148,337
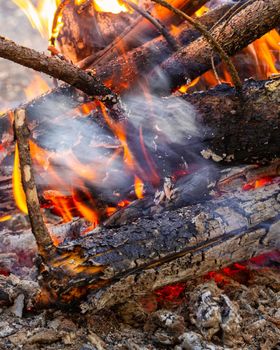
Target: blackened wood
x,y
233,130
116,264
246,26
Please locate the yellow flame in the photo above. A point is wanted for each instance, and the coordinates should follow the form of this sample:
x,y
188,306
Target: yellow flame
x,y
19,194
40,16
5,218
138,187
113,6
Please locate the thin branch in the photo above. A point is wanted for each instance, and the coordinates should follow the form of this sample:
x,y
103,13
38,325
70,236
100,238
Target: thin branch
x,y
212,41
39,229
160,27
54,67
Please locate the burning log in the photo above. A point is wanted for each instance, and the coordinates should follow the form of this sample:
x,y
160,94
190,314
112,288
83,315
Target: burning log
x,y
246,26
86,32
194,59
119,263
234,131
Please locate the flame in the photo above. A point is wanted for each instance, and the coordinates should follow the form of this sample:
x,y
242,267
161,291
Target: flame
x,y
113,6
138,187
264,52
37,86
200,12
18,191
266,180
5,218
40,16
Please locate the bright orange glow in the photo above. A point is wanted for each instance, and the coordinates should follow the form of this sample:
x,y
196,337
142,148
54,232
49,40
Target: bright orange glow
x,y
40,16
18,191
5,218
61,204
36,87
119,130
201,11
184,88
266,51
87,213
138,187
113,6
266,180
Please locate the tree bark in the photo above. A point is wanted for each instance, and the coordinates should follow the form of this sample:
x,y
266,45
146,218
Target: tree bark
x,y
119,263
53,66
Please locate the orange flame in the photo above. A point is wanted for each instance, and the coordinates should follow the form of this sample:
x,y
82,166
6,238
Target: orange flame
x,y
18,191
138,187
5,218
265,52
37,86
40,16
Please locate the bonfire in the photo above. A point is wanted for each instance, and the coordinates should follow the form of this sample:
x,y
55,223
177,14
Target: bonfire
x,y
139,174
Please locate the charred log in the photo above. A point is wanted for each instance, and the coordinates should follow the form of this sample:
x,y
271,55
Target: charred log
x,y
233,130
87,32
116,264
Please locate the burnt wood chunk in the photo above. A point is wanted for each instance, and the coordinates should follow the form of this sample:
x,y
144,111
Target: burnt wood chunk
x,y
119,263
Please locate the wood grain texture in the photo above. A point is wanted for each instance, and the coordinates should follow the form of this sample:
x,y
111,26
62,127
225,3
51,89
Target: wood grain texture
x,y
119,263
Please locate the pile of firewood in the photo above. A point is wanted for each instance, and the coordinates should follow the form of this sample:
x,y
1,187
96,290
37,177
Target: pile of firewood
x,y
184,228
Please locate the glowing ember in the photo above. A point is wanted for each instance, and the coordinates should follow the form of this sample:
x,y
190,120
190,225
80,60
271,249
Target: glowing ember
x,y
258,183
139,188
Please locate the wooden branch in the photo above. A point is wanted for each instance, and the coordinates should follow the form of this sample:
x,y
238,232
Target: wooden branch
x,y
156,50
52,66
210,39
39,229
195,58
135,34
156,23
247,25
116,264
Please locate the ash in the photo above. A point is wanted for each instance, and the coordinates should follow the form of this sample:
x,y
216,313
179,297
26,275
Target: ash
x,y
238,311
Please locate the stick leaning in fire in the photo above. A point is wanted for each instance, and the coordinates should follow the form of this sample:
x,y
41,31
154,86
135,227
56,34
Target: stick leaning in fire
x,y
39,229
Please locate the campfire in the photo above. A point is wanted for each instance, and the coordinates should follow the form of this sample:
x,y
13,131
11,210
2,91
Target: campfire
x,y
141,180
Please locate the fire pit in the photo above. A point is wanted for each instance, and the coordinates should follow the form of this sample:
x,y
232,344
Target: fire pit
x,y
140,196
